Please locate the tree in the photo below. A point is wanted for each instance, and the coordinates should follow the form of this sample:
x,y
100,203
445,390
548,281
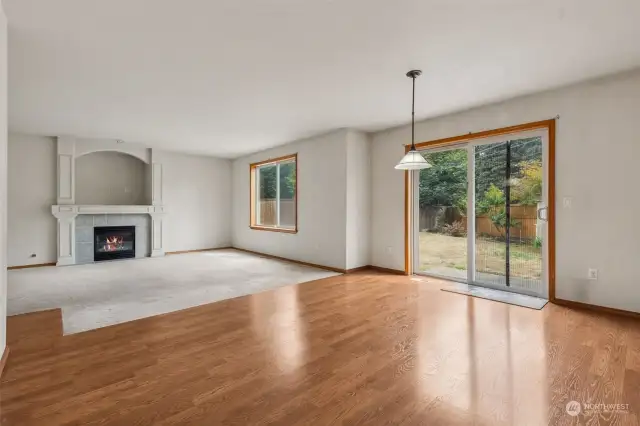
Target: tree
x,y
269,181
287,181
493,205
490,166
445,183
528,189
493,199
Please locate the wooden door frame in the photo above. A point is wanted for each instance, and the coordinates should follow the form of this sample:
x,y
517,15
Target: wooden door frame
x,y
550,126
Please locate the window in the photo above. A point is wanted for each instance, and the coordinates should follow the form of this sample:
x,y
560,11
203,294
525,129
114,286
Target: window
x,y
274,194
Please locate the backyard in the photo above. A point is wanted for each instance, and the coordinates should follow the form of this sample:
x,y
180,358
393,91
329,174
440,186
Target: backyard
x,y
447,255
504,208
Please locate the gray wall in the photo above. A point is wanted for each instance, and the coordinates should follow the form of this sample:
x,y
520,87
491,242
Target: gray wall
x,y
111,178
358,186
32,192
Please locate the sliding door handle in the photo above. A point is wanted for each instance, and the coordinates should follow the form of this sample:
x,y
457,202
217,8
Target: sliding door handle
x,y
540,210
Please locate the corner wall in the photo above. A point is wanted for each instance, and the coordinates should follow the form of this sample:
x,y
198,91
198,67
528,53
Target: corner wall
x,y
358,193
197,199
334,194
597,152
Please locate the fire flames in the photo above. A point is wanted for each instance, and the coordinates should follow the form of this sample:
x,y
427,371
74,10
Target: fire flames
x,y
113,243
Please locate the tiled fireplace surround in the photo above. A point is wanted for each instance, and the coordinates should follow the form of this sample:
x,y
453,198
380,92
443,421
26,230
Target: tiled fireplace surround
x,y
76,222
84,232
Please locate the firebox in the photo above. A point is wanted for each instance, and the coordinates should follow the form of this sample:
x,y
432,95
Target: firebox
x,y
114,242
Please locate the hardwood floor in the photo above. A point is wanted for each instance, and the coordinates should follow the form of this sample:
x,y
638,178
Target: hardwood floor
x,y
368,349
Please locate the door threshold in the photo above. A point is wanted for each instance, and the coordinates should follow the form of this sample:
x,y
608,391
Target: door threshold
x,y
441,277
507,297
482,285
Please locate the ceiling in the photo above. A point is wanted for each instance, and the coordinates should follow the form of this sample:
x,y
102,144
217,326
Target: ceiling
x,y
231,77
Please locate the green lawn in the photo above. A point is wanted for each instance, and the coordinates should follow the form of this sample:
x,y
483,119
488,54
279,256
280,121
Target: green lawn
x,y
438,251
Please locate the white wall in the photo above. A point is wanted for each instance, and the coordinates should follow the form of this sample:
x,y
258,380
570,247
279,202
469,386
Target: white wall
x,y
3,179
597,152
197,199
358,193
111,178
32,192
321,184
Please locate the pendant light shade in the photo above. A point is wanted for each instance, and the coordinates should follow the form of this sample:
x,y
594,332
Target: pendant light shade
x,y
413,160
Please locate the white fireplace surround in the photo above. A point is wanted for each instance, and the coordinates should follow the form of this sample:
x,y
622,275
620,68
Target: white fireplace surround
x,y
68,150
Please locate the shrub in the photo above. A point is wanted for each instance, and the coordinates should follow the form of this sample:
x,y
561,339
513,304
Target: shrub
x,y
537,243
455,229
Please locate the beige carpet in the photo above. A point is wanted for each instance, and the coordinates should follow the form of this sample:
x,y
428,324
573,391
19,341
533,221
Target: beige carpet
x,y
98,295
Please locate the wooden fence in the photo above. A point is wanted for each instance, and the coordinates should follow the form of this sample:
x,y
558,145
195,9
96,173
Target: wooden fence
x,y
525,220
432,218
268,212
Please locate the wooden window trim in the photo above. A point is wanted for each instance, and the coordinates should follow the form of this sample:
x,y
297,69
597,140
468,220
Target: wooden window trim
x,y
252,195
550,125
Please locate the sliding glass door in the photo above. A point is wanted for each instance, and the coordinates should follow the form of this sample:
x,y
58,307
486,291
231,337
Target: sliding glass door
x,y
508,194
442,222
481,213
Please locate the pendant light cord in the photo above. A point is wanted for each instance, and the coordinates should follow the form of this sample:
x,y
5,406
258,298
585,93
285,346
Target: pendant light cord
x,y
413,114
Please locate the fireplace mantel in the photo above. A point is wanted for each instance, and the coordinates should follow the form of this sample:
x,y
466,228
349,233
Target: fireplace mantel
x,y
66,215
66,211
73,209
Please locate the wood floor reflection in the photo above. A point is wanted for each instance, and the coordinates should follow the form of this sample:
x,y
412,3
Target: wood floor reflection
x,y
358,349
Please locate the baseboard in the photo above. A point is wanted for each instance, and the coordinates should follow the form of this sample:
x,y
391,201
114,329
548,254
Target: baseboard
x,y
328,268
35,265
3,361
387,270
195,251
313,265
595,308
358,269
40,265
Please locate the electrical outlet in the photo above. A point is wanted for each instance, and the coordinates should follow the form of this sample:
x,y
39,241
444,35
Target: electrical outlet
x,y
389,250
567,202
592,274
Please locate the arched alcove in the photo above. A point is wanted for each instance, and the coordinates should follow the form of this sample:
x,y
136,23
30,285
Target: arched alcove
x,y
110,178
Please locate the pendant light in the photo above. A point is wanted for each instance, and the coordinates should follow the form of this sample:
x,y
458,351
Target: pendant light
x,y
413,160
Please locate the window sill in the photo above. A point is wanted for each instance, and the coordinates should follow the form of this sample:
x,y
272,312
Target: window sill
x,y
272,229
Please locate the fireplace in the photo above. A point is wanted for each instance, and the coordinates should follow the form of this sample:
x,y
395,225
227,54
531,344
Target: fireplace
x,y
114,242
